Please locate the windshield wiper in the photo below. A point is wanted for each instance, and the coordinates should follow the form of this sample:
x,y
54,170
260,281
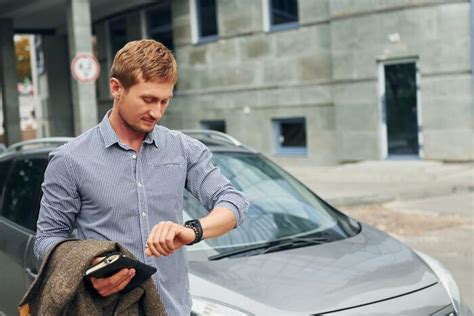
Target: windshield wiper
x,y
272,246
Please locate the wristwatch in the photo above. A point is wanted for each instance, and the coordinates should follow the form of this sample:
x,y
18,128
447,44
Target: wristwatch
x,y
195,225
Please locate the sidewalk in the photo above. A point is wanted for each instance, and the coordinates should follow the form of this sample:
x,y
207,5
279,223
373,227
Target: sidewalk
x,y
427,205
372,182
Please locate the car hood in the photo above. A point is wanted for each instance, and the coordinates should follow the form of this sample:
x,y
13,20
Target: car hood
x,y
363,269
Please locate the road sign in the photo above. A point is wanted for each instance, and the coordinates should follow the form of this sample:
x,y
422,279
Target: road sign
x,y
85,68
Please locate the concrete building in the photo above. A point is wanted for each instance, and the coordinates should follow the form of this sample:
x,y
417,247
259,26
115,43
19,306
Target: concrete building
x,y
328,73
303,81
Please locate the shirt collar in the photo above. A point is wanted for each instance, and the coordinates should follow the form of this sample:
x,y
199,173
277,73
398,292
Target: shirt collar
x,y
110,137
151,138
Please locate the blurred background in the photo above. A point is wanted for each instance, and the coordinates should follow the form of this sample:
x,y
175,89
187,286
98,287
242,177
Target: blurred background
x,y
307,81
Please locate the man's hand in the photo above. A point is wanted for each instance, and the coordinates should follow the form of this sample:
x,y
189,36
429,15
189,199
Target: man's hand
x,y
114,283
167,237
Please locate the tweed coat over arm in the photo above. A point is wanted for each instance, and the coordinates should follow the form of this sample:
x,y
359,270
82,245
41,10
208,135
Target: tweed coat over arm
x,y
60,288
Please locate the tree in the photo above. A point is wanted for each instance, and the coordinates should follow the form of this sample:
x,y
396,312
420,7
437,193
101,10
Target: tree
x,y
23,64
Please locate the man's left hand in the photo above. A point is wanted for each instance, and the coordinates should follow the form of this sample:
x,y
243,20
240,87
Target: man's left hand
x,y
167,237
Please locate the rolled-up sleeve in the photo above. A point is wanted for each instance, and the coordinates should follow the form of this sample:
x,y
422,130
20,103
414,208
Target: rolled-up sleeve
x,y
59,205
206,182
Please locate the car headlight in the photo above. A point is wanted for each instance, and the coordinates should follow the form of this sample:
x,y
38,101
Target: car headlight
x,y
209,307
447,280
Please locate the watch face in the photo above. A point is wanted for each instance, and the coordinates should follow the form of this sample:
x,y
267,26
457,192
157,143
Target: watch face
x,y
193,222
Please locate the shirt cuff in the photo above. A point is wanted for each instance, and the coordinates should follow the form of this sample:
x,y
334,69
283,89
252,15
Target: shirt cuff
x,y
45,244
234,210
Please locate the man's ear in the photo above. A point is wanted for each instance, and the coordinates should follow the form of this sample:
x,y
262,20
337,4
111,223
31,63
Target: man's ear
x,y
116,88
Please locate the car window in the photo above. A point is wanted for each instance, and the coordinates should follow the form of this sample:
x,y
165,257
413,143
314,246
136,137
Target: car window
x,y
21,196
280,206
4,168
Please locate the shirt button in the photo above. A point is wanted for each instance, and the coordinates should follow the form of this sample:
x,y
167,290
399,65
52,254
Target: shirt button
x,y
143,214
139,185
134,156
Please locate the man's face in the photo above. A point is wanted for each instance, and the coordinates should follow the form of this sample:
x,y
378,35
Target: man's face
x,y
143,104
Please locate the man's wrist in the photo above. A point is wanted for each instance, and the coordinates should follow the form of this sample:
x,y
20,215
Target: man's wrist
x,y
195,225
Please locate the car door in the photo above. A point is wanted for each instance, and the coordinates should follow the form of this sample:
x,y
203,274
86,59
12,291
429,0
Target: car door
x,y
5,165
19,213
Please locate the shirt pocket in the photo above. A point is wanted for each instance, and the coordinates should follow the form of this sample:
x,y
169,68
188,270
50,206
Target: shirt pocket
x,y
165,164
165,181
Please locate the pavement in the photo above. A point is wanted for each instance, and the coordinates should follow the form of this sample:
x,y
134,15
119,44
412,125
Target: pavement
x,y
372,182
426,204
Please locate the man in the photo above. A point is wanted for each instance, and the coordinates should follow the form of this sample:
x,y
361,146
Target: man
x,y
124,179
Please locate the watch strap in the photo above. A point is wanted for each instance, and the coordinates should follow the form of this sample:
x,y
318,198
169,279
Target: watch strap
x,y
195,225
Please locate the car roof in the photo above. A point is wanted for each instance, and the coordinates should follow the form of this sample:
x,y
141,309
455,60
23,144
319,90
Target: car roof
x,y
41,146
216,141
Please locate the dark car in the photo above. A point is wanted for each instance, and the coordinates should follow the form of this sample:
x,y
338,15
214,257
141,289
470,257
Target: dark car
x,y
294,255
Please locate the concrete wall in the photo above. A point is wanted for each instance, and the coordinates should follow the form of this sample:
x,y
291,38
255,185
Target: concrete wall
x,y
326,71
436,34
249,77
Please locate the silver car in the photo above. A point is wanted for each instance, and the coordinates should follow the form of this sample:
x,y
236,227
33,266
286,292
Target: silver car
x,y
294,255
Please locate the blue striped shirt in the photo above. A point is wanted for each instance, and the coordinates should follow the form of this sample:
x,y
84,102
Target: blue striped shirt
x,y
108,191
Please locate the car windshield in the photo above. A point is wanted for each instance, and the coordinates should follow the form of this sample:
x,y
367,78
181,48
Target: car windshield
x,y
280,206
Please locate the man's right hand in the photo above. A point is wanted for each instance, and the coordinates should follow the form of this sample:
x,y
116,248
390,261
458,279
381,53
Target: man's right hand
x,y
114,283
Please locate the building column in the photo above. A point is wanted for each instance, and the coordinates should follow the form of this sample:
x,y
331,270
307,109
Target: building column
x,y
80,41
103,91
8,83
472,63
59,110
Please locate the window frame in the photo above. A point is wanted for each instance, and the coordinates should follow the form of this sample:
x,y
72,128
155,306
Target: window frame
x,y
148,31
267,20
289,151
110,47
37,193
196,37
205,124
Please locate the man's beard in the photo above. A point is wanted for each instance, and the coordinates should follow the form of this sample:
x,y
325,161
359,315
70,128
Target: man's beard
x,y
136,128
139,129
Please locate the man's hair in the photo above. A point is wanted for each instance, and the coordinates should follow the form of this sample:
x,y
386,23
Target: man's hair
x,y
147,59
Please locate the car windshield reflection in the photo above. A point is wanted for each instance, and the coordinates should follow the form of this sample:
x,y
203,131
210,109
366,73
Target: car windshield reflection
x,y
280,206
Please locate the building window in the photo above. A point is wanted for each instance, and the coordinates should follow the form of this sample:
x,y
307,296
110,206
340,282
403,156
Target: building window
x,y
215,125
117,34
290,136
204,20
280,14
158,24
